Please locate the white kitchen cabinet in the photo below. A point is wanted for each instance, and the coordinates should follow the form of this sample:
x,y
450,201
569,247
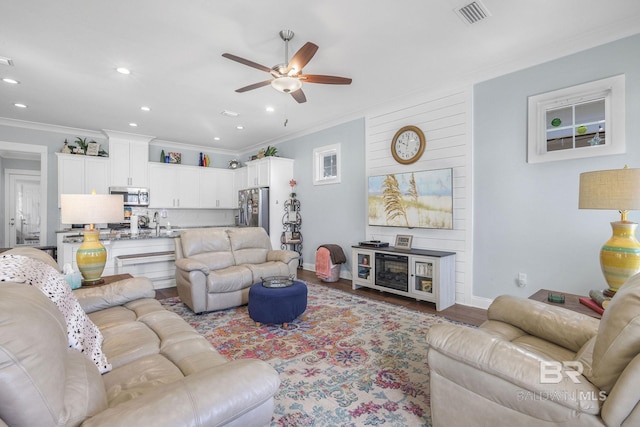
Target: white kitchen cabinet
x,y
129,159
240,181
78,174
174,186
258,172
217,189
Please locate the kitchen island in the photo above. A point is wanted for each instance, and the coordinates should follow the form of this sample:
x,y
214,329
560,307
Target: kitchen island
x,y
147,253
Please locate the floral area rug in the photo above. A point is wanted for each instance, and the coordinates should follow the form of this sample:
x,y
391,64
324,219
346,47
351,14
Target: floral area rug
x,y
347,361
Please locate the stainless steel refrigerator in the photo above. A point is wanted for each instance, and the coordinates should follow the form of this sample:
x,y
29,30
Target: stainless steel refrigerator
x,y
254,208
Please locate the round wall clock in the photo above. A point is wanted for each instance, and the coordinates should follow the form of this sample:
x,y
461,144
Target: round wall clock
x,y
408,145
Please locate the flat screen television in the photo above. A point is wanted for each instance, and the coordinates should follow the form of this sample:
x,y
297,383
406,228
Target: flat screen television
x,y
421,199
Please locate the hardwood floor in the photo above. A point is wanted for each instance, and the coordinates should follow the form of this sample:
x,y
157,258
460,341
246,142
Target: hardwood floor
x,y
460,313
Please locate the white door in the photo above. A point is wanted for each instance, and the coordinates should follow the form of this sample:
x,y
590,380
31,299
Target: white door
x,y
24,210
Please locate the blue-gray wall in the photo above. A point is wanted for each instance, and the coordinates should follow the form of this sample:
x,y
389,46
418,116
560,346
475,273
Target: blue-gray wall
x,y
526,216
330,213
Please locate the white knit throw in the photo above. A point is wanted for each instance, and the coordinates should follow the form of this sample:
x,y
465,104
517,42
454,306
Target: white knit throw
x,y
83,334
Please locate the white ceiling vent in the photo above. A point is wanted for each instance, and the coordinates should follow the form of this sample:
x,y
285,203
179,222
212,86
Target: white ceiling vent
x,y
5,61
473,12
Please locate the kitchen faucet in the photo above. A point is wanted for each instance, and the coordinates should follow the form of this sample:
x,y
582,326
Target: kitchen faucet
x,y
155,219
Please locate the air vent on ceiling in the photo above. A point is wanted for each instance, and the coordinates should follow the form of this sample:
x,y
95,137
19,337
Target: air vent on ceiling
x,y
5,61
229,113
473,12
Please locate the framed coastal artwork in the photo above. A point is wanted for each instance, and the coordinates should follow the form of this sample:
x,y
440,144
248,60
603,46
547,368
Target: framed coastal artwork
x,y
422,199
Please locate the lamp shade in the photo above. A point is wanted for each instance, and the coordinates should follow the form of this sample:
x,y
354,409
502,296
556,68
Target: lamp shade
x,y
617,189
91,208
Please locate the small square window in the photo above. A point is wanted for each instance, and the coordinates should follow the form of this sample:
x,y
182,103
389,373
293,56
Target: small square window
x,y
326,165
577,122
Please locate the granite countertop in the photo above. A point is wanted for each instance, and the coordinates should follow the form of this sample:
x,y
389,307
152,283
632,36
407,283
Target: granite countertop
x,y
145,233
117,235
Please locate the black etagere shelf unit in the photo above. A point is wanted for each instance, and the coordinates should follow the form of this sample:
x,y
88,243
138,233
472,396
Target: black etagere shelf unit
x,y
291,221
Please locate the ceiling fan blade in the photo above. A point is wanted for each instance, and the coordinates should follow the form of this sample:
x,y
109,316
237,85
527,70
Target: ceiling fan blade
x,y
298,95
302,57
254,86
246,62
327,80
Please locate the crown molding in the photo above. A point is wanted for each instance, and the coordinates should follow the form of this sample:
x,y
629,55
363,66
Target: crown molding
x,y
50,128
193,147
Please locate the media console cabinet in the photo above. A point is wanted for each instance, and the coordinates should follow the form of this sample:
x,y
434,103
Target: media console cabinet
x,y
418,273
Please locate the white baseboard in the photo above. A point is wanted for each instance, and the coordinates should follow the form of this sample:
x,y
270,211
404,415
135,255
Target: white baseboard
x,y
481,302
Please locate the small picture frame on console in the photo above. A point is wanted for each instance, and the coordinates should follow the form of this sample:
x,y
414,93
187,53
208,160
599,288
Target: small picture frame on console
x,y
403,241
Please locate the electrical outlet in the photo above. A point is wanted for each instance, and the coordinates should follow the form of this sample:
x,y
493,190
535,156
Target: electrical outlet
x,y
522,280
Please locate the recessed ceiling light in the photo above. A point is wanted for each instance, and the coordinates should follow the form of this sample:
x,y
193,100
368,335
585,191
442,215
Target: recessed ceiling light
x,y
19,105
10,81
123,70
145,108
133,125
240,127
216,138
270,109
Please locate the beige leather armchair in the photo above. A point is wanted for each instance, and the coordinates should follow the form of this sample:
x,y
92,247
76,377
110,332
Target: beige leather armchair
x,y
532,364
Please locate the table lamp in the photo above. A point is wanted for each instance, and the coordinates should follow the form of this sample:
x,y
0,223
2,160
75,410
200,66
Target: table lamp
x,y
617,189
91,209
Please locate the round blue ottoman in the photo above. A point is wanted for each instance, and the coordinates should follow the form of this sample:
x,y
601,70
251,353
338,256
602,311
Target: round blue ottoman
x,y
277,305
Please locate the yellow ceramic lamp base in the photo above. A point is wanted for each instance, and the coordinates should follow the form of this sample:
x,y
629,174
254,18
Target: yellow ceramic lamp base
x,y
91,256
620,256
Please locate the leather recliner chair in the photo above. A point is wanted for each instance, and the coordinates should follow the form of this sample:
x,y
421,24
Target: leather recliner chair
x,y
215,267
533,364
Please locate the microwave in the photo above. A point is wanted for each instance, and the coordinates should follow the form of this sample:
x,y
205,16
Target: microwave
x,y
132,196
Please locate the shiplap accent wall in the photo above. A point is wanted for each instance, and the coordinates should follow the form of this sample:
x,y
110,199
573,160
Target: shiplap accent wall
x,y
446,122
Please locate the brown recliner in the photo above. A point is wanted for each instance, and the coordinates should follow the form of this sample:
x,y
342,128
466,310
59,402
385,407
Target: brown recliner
x,y
532,364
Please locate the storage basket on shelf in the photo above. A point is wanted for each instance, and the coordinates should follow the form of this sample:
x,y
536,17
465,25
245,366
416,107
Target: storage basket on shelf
x,y
328,260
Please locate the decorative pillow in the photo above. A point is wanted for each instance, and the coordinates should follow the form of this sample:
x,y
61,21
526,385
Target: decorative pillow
x,y
83,334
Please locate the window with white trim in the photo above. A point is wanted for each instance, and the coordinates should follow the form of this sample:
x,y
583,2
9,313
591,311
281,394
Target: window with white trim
x,y
581,121
326,165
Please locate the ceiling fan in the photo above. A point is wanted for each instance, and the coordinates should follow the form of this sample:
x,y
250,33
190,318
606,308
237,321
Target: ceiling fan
x,y
288,76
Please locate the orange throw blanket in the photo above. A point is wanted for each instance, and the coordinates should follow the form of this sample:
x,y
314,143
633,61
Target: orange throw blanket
x,y
323,263
327,257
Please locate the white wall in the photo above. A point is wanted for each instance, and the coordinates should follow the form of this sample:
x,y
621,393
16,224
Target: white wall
x,y
445,120
526,216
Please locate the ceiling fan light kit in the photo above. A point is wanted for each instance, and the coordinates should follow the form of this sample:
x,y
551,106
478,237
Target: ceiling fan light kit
x,y
288,77
286,84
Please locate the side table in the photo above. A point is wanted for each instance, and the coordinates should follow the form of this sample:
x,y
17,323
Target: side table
x,y
571,302
105,280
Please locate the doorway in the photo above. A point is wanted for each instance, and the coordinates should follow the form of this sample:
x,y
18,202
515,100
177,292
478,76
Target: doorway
x,y
24,207
13,150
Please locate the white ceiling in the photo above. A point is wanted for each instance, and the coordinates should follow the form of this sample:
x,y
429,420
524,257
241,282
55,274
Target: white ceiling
x,y
65,54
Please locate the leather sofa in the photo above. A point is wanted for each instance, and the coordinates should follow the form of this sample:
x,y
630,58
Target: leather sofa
x,y
163,372
216,267
533,364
